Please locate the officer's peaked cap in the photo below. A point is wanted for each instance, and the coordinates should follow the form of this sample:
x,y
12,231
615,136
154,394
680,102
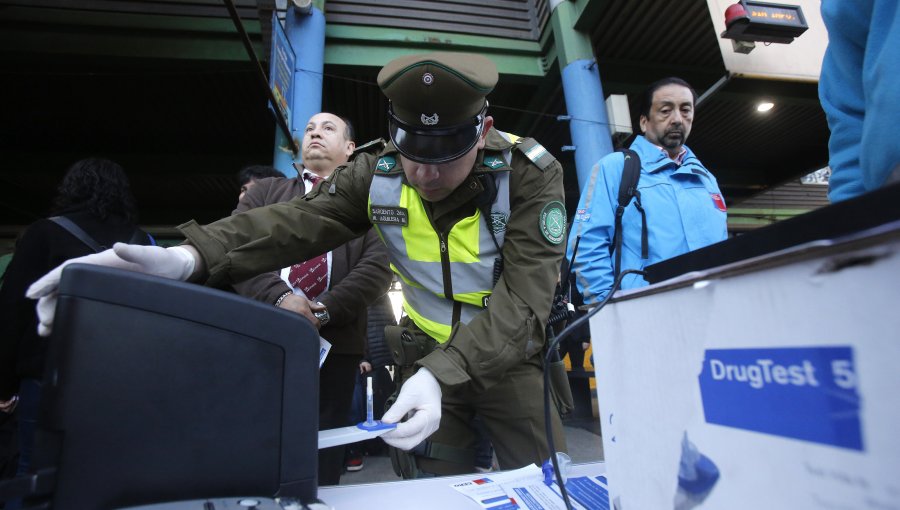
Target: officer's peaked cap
x,y
437,103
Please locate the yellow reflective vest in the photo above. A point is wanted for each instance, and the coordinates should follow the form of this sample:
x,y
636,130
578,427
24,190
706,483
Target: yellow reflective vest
x,y
447,276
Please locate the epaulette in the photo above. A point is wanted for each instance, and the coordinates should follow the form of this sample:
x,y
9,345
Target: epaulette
x,y
535,152
373,147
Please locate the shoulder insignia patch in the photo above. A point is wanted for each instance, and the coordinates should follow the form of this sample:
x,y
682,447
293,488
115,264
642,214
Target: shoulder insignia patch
x,y
494,162
553,222
535,152
385,164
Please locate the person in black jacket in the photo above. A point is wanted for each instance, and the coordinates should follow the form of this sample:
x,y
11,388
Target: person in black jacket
x,y
248,176
94,195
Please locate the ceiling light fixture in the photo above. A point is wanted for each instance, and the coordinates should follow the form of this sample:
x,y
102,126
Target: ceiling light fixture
x,y
764,106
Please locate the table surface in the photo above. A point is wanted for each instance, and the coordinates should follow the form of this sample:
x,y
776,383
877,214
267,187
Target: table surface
x,y
431,493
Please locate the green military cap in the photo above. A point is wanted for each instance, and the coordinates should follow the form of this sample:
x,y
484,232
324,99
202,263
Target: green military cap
x,y
437,103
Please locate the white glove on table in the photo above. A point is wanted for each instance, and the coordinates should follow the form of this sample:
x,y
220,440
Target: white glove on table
x,y
175,263
421,395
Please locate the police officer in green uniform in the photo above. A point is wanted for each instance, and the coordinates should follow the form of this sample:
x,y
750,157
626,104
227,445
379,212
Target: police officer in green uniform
x,y
474,222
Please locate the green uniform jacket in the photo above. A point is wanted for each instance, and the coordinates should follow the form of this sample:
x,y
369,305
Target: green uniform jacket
x,y
509,331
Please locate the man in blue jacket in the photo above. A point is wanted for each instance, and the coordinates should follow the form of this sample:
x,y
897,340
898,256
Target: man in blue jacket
x,y
680,197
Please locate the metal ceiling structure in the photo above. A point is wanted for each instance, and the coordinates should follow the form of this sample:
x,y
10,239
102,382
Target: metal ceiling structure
x,y
165,88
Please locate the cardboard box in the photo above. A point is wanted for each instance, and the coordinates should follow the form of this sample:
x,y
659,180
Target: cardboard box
x,y
775,381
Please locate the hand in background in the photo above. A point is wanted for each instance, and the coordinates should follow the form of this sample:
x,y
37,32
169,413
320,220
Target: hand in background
x,y
299,304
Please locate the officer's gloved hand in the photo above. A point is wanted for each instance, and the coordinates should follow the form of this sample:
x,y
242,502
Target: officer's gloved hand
x,y
176,263
421,395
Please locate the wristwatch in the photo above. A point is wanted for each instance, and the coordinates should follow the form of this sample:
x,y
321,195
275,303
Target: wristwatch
x,y
323,315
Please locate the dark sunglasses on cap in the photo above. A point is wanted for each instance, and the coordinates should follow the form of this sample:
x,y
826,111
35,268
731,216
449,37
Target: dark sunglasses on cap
x,y
435,145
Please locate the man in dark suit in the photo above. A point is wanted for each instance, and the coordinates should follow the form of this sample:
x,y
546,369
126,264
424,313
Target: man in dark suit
x,y
332,290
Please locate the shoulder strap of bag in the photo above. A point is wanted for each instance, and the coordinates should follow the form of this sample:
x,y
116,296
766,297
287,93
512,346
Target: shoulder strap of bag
x,y
77,231
628,188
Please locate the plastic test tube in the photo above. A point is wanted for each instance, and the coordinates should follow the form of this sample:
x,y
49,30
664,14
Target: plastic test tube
x,y
369,403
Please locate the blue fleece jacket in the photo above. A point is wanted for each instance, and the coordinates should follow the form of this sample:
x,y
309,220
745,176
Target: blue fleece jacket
x,y
685,211
860,93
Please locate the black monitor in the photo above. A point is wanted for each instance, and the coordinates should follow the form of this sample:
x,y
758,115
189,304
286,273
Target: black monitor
x,y
158,390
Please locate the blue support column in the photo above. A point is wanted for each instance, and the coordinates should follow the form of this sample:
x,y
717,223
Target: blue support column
x,y
581,85
589,124
306,33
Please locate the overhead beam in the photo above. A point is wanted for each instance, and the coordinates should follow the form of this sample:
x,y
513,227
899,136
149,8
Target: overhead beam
x,y
365,46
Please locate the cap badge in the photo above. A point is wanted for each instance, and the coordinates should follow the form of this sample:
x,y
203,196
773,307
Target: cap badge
x,y
430,121
427,79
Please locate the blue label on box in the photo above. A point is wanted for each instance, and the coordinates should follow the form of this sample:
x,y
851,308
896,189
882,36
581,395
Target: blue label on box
x,y
805,393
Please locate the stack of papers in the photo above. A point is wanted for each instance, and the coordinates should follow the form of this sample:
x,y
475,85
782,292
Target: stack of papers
x,y
525,489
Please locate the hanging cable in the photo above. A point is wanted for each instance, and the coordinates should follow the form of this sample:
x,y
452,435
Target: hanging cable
x,y
245,39
551,348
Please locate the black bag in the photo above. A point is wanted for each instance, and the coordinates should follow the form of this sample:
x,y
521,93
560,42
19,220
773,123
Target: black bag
x,y
631,174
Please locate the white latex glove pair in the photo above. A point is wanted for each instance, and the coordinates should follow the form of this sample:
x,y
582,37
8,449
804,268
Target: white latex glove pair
x,y
175,263
421,394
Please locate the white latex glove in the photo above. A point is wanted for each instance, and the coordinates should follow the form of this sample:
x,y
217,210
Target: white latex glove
x,y
175,263
421,395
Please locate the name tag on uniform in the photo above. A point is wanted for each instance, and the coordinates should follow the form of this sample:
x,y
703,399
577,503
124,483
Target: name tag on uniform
x,y
390,215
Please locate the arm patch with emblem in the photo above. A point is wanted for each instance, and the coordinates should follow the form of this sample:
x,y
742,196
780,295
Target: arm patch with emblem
x,y
535,152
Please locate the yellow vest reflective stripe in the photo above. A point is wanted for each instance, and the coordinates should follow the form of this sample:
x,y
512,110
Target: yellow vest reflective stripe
x,y
416,256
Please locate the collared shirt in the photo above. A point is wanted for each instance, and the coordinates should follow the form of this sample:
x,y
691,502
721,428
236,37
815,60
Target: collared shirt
x,y
310,179
684,207
679,159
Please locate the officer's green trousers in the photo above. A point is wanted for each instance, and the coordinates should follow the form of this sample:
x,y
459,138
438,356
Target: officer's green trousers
x,y
512,411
